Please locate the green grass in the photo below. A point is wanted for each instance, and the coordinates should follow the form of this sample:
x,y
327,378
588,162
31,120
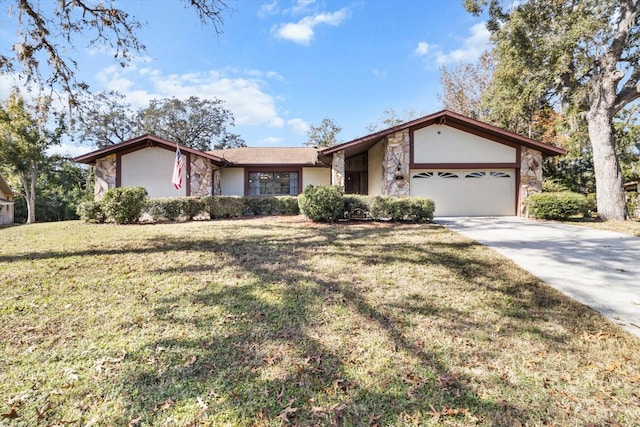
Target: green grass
x,y
277,321
631,226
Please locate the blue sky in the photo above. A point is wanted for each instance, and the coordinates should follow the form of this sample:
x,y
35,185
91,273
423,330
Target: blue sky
x,y
282,65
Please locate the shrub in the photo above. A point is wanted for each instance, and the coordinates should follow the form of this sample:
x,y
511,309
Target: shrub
x,y
91,211
353,201
124,205
322,203
632,203
560,205
223,206
550,185
288,205
415,209
169,207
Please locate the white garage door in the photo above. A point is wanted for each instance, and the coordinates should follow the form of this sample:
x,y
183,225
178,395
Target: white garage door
x,y
467,192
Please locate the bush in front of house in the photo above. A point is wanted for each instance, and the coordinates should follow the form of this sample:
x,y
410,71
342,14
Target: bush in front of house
x,y
277,205
224,206
414,209
323,203
124,205
558,205
632,203
166,207
91,211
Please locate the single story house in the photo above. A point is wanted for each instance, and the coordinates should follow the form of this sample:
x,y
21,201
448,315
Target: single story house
x,y
6,203
467,167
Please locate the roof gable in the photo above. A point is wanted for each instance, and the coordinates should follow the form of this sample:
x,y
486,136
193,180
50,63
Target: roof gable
x,y
141,142
449,118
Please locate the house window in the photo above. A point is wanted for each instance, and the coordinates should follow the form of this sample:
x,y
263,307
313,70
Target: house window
x,y
273,183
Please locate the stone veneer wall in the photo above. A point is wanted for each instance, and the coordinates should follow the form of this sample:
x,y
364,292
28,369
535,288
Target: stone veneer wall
x,y
530,176
201,176
337,169
105,174
395,164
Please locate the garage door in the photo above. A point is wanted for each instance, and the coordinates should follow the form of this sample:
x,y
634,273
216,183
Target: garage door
x,y
467,192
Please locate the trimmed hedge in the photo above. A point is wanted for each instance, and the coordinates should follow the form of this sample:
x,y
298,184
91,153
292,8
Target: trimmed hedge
x,y
90,211
124,205
322,204
558,205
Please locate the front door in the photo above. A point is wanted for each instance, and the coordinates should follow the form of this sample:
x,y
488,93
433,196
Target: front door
x,y
352,183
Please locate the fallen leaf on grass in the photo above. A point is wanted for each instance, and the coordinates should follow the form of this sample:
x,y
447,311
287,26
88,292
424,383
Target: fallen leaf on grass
x,y
164,405
134,421
42,411
190,362
284,415
13,413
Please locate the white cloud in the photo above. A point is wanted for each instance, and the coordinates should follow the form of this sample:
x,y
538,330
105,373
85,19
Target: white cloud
x,y
243,95
302,32
69,150
299,126
271,140
472,47
301,6
268,9
422,49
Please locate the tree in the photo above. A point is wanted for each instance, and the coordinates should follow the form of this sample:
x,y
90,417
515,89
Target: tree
x,y
323,135
194,122
106,119
465,86
581,56
390,118
24,138
46,33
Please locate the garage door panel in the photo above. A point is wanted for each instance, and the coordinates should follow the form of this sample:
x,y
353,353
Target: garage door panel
x,y
467,192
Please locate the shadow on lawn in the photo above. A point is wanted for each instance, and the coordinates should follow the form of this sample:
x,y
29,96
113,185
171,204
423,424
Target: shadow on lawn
x,y
266,361
274,346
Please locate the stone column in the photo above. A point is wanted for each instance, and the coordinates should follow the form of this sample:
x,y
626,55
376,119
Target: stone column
x,y
530,176
337,169
105,174
201,176
217,180
395,164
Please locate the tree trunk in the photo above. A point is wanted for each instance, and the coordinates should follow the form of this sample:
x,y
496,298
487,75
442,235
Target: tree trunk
x,y
609,181
29,186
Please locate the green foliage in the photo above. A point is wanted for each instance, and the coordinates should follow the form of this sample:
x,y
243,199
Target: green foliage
x,y
279,205
561,205
414,209
124,205
553,186
324,135
91,211
322,203
632,203
166,207
224,206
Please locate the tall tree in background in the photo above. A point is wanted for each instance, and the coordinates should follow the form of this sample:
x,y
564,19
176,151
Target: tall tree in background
x,y
323,135
582,56
391,118
194,122
48,31
107,119
24,138
465,86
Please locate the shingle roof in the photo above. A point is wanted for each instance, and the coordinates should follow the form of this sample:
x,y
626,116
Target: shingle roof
x,y
270,156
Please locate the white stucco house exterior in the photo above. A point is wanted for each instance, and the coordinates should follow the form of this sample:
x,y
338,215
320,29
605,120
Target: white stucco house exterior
x,y
467,167
6,203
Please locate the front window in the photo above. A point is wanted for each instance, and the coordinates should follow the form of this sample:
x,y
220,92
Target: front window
x,y
273,183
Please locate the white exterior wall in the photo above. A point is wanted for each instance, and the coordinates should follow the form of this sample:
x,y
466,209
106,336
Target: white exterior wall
x,y
152,168
232,181
315,177
444,144
375,170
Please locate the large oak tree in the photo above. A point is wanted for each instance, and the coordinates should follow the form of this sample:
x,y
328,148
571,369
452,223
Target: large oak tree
x,y
581,56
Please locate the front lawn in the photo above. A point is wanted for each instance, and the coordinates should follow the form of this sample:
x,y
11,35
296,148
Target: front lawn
x,y
278,321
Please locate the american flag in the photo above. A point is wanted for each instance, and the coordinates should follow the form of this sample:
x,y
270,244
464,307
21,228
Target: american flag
x,y
177,169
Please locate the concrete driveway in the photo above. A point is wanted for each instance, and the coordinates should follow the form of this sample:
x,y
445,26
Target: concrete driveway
x,y
600,269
